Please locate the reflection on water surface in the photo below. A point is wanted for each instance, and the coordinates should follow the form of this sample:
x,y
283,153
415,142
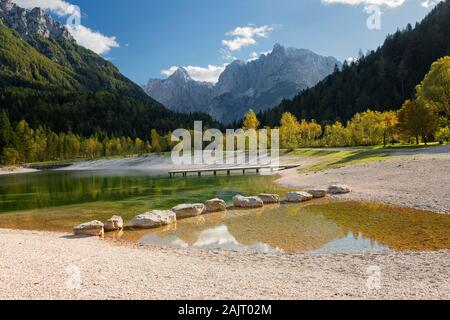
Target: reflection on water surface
x,y
57,201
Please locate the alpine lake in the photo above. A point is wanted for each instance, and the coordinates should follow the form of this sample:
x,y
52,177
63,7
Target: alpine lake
x,y
59,200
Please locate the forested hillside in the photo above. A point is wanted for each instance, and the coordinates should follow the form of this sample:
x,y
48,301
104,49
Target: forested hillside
x,y
58,84
381,81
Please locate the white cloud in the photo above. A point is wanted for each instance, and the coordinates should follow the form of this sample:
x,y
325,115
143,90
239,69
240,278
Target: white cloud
x,y
430,3
240,37
92,40
254,55
169,72
209,74
245,36
84,36
387,3
58,7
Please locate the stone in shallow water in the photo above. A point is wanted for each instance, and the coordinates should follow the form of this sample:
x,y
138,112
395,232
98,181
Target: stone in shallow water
x,y
189,210
269,198
339,189
247,202
318,193
113,224
215,205
153,219
298,196
93,228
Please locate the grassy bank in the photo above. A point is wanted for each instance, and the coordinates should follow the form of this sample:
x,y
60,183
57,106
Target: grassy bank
x,y
331,158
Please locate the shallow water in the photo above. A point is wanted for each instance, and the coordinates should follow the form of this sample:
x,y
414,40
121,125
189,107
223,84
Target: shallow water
x,y
59,200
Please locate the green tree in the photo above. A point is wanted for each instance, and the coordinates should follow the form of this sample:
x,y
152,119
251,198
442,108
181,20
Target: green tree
x,y
416,120
7,134
443,135
9,156
434,91
25,142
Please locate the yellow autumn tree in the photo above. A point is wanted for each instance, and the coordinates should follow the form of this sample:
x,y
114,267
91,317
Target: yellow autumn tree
x,y
289,131
309,133
251,121
156,146
389,124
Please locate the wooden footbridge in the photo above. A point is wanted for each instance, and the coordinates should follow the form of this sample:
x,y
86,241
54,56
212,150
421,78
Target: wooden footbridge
x,y
230,170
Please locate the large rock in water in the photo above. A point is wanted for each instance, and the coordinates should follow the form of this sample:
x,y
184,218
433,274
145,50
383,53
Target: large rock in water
x,y
113,224
339,189
215,205
189,210
153,219
269,198
298,196
247,202
318,193
93,228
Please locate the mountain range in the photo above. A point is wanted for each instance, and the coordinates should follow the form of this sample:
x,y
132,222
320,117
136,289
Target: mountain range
x,y
49,80
258,84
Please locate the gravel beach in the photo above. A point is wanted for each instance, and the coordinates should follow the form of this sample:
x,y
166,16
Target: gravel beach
x,y
41,265
418,179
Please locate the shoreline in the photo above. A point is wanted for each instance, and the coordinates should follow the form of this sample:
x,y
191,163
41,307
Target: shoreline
x,y
110,270
16,170
417,181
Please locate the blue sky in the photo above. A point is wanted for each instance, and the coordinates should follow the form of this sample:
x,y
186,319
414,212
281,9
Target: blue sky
x,y
144,37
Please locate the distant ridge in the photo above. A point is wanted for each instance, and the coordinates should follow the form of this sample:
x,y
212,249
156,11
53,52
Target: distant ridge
x,y
259,84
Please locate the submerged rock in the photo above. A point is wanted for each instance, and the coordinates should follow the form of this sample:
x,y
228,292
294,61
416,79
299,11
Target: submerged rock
x,y
269,198
339,189
299,196
189,210
93,228
318,193
113,224
247,202
153,219
215,205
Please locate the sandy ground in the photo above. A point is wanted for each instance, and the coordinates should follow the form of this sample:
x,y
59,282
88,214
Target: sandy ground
x,y
419,179
91,268
15,170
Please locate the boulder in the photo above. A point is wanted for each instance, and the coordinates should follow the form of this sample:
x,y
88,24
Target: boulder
x,y
318,193
269,198
339,189
93,228
153,219
215,205
298,196
113,224
189,210
247,202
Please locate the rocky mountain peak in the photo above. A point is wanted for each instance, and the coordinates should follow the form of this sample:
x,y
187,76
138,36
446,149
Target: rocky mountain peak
x,y
181,74
260,84
34,22
278,49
